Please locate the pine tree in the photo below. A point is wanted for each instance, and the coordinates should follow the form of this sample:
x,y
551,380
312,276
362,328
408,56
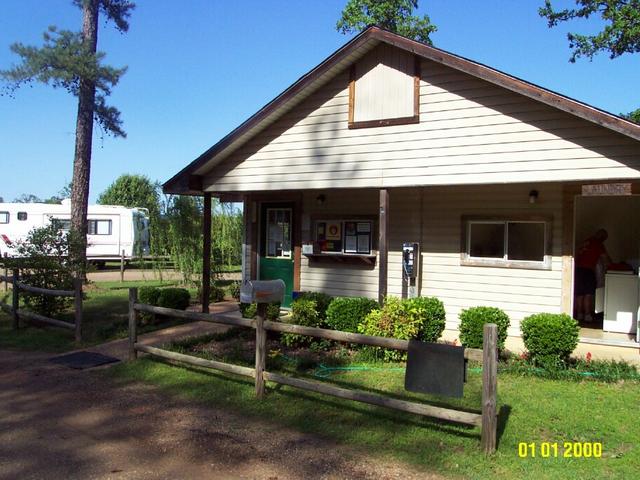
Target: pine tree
x,y
70,60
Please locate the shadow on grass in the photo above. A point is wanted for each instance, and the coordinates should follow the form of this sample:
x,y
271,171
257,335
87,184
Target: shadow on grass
x,y
503,419
320,402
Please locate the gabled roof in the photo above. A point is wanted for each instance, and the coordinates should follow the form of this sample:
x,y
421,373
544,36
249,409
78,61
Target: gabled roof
x,y
188,180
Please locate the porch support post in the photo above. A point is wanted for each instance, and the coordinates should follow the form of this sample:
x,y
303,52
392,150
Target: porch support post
x,y
383,246
206,252
569,192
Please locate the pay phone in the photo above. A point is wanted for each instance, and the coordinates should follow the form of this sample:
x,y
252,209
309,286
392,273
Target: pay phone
x,y
411,267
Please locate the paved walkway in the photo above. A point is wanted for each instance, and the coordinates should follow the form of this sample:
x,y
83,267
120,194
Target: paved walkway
x,y
120,348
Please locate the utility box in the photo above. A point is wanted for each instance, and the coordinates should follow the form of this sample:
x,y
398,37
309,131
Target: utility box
x,y
262,291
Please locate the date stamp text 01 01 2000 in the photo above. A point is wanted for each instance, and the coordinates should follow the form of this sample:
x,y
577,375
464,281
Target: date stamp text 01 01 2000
x,y
560,450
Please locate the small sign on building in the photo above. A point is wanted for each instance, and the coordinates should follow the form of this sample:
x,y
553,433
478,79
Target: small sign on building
x,y
606,189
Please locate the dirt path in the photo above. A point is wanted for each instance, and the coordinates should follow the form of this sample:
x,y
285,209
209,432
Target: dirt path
x,y
61,423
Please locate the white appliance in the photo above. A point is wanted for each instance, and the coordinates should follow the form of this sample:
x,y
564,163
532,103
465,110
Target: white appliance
x,y
621,299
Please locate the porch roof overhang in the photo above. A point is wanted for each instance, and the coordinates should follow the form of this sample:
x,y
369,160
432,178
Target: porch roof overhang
x,y
188,181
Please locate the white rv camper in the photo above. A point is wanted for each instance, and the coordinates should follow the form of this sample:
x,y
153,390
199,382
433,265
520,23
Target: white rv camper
x,y
112,229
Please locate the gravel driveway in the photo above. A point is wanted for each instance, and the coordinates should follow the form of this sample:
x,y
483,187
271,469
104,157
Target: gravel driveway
x,y
58,423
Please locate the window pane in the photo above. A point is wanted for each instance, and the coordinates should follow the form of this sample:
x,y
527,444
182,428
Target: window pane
x,y
92,227
4,217
486,240
278,233
104,227
22,216
526,241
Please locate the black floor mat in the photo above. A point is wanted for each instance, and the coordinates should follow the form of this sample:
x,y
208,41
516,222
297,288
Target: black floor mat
x,y
82,360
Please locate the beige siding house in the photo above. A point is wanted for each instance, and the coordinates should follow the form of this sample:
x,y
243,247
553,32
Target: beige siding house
x,y
391,141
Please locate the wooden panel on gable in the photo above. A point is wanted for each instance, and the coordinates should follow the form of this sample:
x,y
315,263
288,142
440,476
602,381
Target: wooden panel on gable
x,y
383,85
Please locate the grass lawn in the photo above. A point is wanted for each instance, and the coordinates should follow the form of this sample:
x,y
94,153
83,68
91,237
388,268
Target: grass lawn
x,y
105,317
532,410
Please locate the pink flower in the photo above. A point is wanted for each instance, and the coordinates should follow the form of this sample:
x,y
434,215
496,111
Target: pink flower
x,y
588,357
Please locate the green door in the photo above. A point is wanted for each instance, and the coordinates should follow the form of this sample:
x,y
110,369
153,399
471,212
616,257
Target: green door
x,y
276,251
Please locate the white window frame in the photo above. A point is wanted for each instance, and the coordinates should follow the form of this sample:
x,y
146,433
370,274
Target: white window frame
x,y
467,260
8,217
266,234
95,221
343,235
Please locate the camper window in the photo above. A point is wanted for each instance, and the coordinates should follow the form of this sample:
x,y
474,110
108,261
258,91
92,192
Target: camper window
x,y
22,216
99,227
4,217
497,242
63,223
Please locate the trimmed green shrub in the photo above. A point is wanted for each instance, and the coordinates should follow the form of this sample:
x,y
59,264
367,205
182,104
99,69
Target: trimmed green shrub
x,y
322,302
550,337
428,314
421,318
304,312
273,311
148,295
346,313
234,290
390,321
176,298
43,258
249,310
216,294
472,322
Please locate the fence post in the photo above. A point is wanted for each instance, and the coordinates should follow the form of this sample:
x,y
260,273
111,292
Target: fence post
x,y
77,303
122,267
6,274
133,323
489,388
16,299
261,346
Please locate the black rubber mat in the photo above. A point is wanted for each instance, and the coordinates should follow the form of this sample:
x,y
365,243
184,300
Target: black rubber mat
x,y
82,360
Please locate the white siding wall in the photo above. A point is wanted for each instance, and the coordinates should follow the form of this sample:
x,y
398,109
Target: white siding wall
x,y
470,132
520,292
333,277
432,216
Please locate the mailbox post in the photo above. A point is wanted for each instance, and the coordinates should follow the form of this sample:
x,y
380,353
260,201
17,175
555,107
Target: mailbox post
x,y
263,292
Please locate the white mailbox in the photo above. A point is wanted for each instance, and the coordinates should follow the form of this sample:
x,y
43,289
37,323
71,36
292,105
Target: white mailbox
x,y
262,291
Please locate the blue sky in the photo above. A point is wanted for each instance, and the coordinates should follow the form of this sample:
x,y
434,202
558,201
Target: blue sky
x,y
198,68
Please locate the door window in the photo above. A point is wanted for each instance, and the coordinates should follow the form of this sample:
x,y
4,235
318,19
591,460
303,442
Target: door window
x,y
278,233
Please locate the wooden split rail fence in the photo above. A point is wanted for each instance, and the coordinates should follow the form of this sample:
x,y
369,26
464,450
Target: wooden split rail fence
x,y
16,312
488,356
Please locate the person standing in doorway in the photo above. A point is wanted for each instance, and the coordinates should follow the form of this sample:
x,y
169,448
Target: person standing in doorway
x,y
588,256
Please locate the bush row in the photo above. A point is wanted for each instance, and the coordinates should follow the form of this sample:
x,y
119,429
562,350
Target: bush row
x,y
549,338
421,318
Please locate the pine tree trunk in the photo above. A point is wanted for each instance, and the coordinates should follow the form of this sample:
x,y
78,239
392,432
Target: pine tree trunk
x,y
84,134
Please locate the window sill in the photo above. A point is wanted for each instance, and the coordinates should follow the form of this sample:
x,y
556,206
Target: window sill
x,y
385,122
342,257
491,262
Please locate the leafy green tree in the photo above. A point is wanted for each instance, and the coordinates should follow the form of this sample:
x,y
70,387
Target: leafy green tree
x,y
132,191
633,116
70,60
393,15
27,198
226,235
184,218
138,191
620,34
